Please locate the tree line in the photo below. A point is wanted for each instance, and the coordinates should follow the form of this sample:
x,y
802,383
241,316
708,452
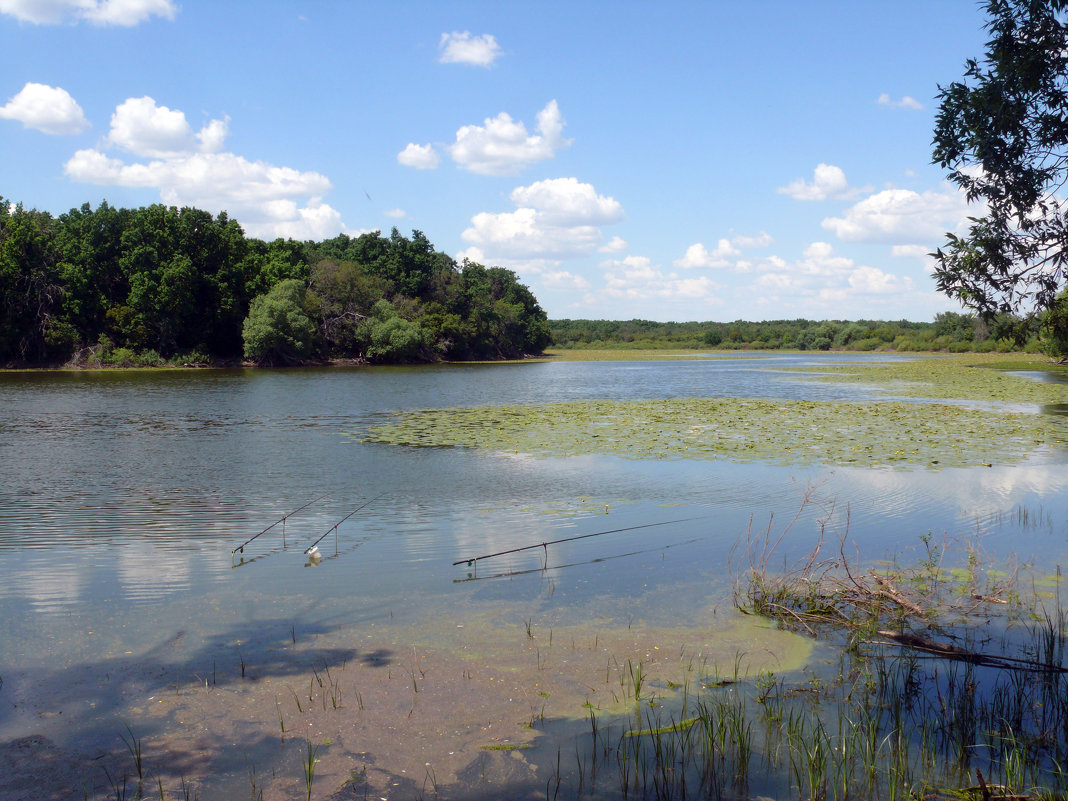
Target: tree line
x,y
163,284
950,331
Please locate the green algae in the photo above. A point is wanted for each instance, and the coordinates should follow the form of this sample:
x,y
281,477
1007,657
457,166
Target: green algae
x,y
739,429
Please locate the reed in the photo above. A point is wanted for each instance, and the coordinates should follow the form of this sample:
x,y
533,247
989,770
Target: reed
x,y
308,766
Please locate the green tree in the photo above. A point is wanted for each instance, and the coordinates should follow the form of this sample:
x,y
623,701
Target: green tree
x,y
1003,133
277,329
32,325
392,338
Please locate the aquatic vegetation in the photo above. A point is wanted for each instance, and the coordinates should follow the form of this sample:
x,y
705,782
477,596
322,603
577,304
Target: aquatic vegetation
x,y
904,717
974,377
739,429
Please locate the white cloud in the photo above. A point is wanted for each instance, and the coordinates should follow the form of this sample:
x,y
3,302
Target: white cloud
x,y
502,146
213,135
902,216
761,240
44,108
779,282
615,245
396,213
464,48
565,201
637,278
872,281
555,218
818,259
522,266
827,181
910,251
697,255
906,102
100,12
521,234
269,201
422,157
141,127
562,279
824,279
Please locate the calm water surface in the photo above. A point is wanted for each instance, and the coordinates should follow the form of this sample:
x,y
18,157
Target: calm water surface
x,y
122,495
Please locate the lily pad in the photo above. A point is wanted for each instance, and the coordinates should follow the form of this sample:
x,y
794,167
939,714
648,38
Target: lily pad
x,y
896,433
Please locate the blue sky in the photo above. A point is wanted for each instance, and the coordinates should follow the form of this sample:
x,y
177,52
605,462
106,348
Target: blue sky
x,y
676,161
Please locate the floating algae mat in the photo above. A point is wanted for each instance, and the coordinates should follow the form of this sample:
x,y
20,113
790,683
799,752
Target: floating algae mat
x,y
790,432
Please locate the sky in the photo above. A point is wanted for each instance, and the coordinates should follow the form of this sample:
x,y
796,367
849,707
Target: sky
x,y
672,161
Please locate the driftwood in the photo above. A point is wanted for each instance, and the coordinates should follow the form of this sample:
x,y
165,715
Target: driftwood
x,y
948,651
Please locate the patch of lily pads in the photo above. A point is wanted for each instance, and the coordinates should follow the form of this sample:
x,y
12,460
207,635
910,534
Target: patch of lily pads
x,y
890,433
971,377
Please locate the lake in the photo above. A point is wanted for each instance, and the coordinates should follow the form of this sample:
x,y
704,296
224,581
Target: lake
x,y
127,618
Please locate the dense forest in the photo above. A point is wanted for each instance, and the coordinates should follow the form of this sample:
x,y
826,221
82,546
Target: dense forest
x,y
160,284
949,331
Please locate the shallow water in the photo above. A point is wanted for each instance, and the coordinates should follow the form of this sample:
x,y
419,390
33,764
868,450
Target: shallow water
x,y
122,495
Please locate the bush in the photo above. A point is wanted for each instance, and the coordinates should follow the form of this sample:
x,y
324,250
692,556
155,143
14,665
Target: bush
x,y
277,329
148,358
119,357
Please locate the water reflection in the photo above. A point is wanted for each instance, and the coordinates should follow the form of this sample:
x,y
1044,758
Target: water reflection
x,y
123,496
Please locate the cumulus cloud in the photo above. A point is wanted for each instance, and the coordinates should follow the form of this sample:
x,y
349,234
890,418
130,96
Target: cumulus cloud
x,y
565,201
555,218
396,213
143,128
562,279
819,259
824,276
697,255
615,245
125,13
521,233
827,181
464,48
502,146
44,108
188,170
873,281
910,251
761,240
901,216
422,157
637,278
906,102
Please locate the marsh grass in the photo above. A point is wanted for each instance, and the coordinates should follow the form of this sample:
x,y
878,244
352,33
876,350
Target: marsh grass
x,y
950,683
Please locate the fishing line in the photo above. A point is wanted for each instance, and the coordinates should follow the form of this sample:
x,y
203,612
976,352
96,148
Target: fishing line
x,y
511,573
282,519
474,559
313,548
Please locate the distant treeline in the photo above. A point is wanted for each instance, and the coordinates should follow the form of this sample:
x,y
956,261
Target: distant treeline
x,y
949,331
161,284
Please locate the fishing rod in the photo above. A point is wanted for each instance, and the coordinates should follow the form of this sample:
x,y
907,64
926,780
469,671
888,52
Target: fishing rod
x,y
474,559
314,547
598,560
282,519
